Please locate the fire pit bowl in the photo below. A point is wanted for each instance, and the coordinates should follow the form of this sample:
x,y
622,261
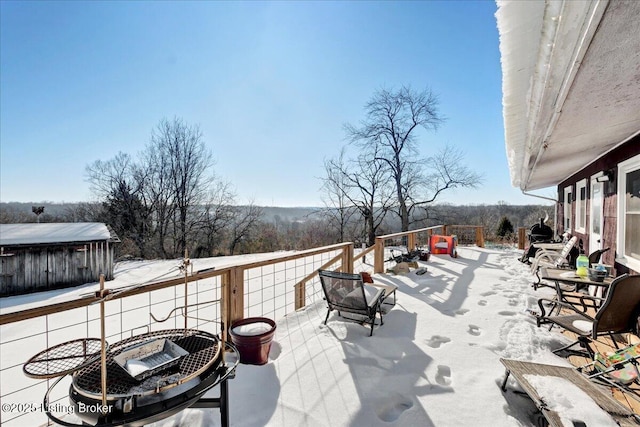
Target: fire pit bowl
x,y
184,364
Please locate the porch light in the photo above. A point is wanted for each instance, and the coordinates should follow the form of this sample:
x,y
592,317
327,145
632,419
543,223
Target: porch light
x,y
608,176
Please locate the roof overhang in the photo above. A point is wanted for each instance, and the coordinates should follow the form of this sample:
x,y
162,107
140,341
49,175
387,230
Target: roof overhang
x,y
571,84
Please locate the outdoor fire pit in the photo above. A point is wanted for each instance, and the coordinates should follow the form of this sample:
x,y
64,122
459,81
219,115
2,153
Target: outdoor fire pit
x,y
148,377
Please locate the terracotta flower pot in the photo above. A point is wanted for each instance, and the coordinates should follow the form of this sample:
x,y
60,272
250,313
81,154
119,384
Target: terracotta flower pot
x,y
252,336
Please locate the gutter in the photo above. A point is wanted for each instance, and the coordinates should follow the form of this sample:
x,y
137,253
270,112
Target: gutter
x,y
589,28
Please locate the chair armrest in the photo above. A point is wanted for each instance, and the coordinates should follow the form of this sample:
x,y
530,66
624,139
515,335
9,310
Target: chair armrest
x,y
546,252
551,258
564,305
585,301
592,302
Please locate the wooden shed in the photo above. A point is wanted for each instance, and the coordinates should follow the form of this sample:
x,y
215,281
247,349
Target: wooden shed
x,y
37,257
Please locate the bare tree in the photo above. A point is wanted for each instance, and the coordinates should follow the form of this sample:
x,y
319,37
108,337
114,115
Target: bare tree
x,y
392,119
106,176
158,193
188,163
363,183
245,219
444,171
339,209
390,134
216,218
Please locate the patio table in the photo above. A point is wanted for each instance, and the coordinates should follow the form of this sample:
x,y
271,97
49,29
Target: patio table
x,y
389,290
565,277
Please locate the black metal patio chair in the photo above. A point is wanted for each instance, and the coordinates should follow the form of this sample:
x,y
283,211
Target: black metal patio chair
x,y
618,313
345,292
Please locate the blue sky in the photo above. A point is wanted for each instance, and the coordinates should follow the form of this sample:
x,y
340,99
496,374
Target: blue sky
x,y
270,84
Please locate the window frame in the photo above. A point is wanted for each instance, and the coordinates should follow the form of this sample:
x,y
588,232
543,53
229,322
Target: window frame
x,y
630,165
567,201
581,206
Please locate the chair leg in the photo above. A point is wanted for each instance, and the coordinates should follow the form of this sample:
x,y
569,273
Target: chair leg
x,y
584,343
506,377
327,318
537,282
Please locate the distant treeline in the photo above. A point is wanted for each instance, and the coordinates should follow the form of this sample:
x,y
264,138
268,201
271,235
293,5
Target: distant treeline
x,y
277,228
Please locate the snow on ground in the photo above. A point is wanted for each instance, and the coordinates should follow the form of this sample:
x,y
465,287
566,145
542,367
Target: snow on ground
x,y
434,362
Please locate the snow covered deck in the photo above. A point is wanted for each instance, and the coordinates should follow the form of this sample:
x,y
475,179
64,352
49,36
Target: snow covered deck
x,y
434,362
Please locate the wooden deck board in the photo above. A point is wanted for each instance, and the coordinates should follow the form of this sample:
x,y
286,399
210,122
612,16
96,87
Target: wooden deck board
x,y
605,345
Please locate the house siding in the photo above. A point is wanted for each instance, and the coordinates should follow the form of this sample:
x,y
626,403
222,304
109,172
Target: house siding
x,y
608,162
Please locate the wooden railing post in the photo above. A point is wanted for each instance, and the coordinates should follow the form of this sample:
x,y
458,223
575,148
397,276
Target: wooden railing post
x,y
522,235
235,295
444,230
378,256
480,237
411,242
347,258
300,295
225,310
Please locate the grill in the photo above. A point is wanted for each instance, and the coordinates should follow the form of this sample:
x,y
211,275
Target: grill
x,y
141,379
203,350
62,359
540,232
188,363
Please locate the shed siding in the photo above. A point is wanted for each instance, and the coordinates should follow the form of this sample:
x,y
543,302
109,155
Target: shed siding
x,y
39,268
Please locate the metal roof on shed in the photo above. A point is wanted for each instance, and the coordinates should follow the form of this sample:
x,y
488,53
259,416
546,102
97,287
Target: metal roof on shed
x,y
48,233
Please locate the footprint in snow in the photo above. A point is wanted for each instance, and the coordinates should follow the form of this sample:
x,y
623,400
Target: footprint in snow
x,y
474,330
507,313
482,302
461,311
436,341
392,407
443,377
488,293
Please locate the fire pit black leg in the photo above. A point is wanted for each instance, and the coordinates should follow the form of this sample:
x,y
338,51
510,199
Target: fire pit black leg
x,y
224,404
221,402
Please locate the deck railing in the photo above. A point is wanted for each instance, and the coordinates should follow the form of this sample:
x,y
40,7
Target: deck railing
x,y
196,299
420,238
210,300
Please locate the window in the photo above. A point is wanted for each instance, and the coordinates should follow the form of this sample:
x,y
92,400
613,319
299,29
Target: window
x,y
568,194
581,205
628,249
